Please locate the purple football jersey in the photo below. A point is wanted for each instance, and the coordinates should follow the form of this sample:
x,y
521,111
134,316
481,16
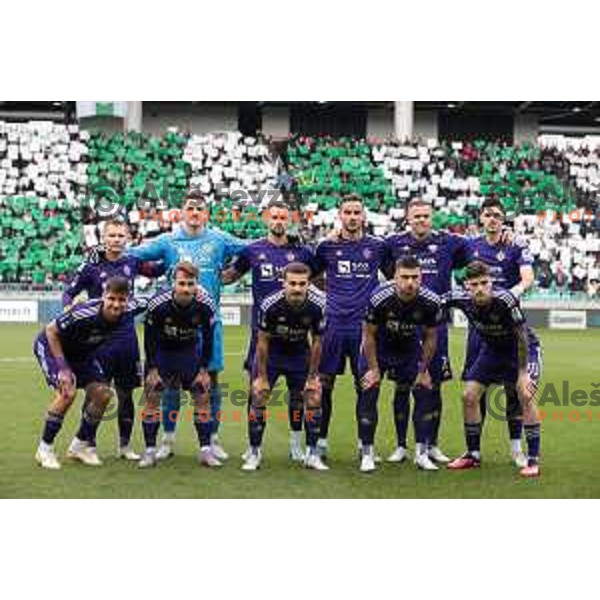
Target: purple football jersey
x,y
351,269
91,277
289,326
398,321
84,329
504,260
266,261
439,254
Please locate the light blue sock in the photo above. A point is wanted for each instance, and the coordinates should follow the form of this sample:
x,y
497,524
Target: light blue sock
x,y
171,401
216,402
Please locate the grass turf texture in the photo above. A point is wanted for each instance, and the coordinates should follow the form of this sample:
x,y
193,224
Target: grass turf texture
x,y
568,447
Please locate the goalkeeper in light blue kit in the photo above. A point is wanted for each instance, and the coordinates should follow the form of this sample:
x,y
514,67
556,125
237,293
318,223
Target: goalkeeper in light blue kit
x,y
208,249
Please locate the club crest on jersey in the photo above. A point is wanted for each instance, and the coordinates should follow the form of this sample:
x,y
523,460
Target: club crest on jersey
x,y
290,256
127,271
103,275
495,318
417,314
432,248
367,253
262,256
338,253
500,255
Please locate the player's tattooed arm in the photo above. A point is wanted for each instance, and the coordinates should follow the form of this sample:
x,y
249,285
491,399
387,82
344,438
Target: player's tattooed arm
x,y
429,347
372,377
525,386
230,275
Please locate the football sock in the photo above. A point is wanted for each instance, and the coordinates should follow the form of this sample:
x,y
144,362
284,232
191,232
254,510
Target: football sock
x,y
401,414
436,397
295,410
216,403
326,410
473,437
533,435
423,415
366,411
150,427
256,426
171,403
203,428
312,426
513,414
126,415
88,425
52,426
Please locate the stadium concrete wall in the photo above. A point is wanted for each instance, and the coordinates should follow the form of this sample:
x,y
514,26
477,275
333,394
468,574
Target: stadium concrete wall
x,y
197,117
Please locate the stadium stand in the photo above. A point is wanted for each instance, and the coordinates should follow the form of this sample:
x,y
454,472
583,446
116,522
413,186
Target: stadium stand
x,y
46,171
42,183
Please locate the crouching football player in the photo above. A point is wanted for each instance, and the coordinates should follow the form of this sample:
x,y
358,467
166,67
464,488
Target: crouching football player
x,y
509,354
68,353
177,359
397,313
286,320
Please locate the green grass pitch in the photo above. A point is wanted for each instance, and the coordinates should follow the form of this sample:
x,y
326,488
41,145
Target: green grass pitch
x,y
569,447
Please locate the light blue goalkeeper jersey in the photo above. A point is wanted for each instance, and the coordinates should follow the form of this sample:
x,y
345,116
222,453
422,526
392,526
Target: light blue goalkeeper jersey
x,y
209,251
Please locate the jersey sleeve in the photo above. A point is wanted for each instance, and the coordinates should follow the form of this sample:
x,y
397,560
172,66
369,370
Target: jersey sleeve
x,y
80,282
524,258
151,338
512,304
319,261
241,262
151,269
232,246
264,319
462,251
373,312
155,249
65,322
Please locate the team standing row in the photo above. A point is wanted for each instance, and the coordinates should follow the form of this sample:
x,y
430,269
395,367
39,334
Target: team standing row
x,y
398,328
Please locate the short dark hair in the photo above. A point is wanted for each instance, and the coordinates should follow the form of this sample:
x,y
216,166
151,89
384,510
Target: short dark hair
x,y
297,268
492,203
417,202
350,198
476,269
117,285
185,266
409,261
194,193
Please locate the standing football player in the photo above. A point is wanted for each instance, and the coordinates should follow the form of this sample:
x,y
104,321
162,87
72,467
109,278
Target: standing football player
x,y
351,262
439,253
266,258
509,354
511,268
178,346
209,250
400,340
67,351
287,320
121,358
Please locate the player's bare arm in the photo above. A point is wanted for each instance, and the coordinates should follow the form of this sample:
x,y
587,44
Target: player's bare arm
x,y
65,377
372,377
429,347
